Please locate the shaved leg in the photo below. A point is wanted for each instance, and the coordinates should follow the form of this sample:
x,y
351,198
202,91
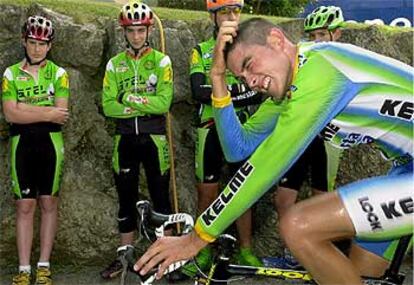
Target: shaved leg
x,y
24,228
367,263
48,225
309,229
284,198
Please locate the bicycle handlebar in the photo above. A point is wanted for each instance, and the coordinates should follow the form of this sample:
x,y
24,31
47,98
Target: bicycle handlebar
x,y
148,217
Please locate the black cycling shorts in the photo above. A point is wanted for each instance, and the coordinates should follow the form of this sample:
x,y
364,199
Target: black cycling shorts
x,y
36,164
209,158
312,161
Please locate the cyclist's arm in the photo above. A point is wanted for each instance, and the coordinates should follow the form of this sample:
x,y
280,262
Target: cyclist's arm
x,y
16,115
20,113
307,113
111,106
59,102
239,141
159,102
240,94
201,90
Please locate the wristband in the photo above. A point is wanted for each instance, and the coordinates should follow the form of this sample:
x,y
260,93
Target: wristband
x,y
203,235
221,102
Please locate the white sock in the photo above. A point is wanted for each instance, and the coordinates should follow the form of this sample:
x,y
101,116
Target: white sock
x,y
43,264
25,268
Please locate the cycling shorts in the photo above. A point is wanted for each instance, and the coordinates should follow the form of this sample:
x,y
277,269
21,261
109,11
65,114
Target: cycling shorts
x,y
36,164
381,209
209,157
312,161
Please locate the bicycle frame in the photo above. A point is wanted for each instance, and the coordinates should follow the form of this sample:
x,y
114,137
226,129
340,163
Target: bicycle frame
x,y
223,272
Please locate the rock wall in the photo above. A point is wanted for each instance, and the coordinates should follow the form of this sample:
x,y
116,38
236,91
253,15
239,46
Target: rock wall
x,y
87,231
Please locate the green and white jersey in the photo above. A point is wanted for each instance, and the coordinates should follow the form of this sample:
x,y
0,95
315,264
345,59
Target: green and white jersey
x,y
138,92
362,97
145,85
20,86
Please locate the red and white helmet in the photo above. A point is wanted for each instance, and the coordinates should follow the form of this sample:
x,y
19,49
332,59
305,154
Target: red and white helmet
x,y
135,13
38,28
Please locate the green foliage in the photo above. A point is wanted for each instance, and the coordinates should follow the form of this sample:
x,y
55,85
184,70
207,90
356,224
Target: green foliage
x,y
184,4
85,11
82,10
285,8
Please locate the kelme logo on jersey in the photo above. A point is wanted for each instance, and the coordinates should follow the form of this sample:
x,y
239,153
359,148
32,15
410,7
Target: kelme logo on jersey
x,y
397,108
390,210
212,212
330,131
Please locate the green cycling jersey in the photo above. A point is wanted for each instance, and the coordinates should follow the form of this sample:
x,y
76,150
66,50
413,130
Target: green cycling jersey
x,y
19,85
137,87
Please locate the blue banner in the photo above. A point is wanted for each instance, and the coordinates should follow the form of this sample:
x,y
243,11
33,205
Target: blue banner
x,y
388,12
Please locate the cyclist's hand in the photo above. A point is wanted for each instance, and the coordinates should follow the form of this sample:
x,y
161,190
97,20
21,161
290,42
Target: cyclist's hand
x,y
58,115
168,250
228,30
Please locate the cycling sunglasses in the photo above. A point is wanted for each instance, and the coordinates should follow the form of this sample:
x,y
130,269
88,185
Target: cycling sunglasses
x,y
229,10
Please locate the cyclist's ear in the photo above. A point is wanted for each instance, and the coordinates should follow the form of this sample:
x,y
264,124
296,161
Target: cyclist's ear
x,y
276,38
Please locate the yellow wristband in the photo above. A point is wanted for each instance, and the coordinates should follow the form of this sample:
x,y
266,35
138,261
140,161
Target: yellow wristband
x,y
221,102
203,235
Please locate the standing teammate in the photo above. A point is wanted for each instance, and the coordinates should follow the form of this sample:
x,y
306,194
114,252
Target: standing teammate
x,y
137,92
35,95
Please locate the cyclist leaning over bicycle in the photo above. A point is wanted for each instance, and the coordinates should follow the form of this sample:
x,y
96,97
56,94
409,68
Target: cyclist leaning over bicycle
x,y
362,96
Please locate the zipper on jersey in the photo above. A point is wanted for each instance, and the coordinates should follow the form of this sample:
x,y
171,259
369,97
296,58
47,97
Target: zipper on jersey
x,y
135,90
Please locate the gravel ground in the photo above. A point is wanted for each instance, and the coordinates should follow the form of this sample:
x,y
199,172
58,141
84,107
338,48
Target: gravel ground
x,y
90,276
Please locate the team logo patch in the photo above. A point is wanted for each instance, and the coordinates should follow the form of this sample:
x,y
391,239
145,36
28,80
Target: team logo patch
x,y
195,58
208,55
22,78
48,74
122,67
5,84
148,65
168,74
293,88
65,81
